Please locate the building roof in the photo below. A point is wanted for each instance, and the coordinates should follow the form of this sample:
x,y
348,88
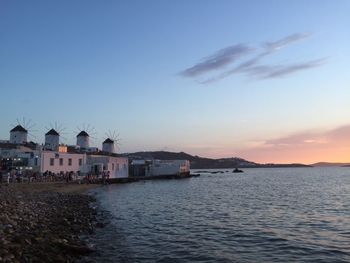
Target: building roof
x,y
52,132
108,140
7,145
18,128
106,154
31,145
83,133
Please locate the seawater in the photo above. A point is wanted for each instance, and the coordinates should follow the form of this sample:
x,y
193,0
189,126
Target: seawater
x,y
261,215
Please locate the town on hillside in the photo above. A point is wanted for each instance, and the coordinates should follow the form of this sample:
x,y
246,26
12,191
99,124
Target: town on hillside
x,y
23,160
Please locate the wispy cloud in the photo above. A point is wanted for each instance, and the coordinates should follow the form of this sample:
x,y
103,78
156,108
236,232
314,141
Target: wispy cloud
x,y
267,71
276,45
241,68
276,71
340,135
218,60
251,66
307,147
297,140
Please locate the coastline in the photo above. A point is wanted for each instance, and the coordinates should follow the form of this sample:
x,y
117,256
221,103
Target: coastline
x,y
44,222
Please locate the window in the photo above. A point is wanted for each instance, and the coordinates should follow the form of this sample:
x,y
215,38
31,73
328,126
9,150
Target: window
x,y
52,161
112,166
80,161
70,161
117,166
61,161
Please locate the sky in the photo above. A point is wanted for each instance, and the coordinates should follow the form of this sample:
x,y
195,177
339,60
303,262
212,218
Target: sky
x,y
267,81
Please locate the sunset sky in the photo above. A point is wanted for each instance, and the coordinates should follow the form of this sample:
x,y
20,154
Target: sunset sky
x,y
267,81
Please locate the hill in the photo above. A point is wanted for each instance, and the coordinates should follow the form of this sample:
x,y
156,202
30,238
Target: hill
x,y
205,163
326,164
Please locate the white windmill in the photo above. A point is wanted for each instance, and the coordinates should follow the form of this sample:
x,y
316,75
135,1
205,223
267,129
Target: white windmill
x,y
19,132
112,140
52,137
84,133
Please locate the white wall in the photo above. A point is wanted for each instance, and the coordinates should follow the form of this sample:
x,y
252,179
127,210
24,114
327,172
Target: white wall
x,y
108,147
171,167
46,157
52,142
118,167
18,137
83,141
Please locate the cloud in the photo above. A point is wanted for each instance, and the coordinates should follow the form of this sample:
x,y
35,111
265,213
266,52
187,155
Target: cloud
x,y
267,71
296,140
337,136
218,60
251,66
241,68
268,49
273,46
306,147
276,71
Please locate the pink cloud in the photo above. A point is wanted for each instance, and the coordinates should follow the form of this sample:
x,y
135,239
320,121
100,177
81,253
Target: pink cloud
x,y
304,147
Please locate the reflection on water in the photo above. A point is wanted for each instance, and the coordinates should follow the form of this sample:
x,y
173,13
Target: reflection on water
x,y
262,215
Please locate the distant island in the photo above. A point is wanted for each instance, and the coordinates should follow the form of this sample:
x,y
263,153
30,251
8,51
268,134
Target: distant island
x,y
207,163
328,164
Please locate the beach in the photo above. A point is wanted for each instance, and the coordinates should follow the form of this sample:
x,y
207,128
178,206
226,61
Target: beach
x,y
43,222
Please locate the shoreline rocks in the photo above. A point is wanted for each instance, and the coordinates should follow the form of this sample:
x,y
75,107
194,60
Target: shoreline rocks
x,y
44,226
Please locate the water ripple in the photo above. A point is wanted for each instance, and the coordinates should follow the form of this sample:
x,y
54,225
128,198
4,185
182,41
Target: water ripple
x,y
265,215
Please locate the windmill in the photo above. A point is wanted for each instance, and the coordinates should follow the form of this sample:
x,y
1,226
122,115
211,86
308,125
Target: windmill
x,y
19,132
111,142
52,136
84,134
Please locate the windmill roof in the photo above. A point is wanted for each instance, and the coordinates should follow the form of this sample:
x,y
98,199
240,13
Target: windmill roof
x,y
108,140
83,133
19,128
52,132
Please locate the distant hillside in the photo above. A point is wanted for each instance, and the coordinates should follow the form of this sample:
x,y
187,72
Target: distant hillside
x,y
326,164
206,163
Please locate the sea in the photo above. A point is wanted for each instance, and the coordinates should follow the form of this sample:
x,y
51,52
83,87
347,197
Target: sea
x,y
261,215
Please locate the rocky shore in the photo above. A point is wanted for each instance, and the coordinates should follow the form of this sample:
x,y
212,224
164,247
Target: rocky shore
x,y
43,223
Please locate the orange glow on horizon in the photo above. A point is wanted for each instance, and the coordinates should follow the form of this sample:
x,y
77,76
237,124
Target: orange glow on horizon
x,y
305,148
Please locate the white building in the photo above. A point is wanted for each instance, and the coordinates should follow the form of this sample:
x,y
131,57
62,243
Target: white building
x,y
108,146
169,167
56,158
18,135
83,140
118,167
52,140
160,167
61,162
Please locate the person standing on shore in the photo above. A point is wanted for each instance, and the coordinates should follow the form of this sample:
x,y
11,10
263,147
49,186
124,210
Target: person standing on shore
x,y
8,178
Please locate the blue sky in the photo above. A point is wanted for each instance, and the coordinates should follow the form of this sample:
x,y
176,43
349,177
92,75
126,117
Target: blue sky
x,y
121,65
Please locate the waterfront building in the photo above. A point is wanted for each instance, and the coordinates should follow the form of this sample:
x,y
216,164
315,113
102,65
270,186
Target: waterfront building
x,y
52,157
159,167
113,165
61,162
168,167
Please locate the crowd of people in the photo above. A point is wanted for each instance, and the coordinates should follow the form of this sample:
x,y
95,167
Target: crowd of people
x,y
28,176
